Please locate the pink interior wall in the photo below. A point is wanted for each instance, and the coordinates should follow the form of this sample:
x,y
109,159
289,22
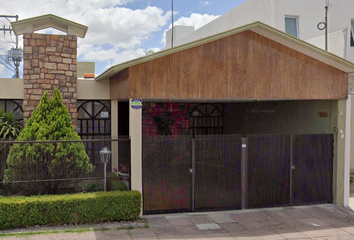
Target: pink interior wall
x,y
175,115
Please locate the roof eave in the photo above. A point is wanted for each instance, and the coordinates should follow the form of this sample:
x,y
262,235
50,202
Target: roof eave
x,y
258,27
49,20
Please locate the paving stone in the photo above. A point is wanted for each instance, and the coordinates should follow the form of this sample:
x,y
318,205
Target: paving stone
x,y
169,236
179,221
219,235
208,226
260,216
314,222
348,229
279,215
317,212
333,212
315,233
244,235
231,227
189,230
221,218
293,235
335,232
248,238
272,237
158,221
88,235
252,225
115,234
142,234
271,223
241,217
195,236
338,222
166,230
297,213
200,219
60,236
298,225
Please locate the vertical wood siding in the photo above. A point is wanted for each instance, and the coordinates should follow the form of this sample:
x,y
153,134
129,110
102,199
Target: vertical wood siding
x,y
243,66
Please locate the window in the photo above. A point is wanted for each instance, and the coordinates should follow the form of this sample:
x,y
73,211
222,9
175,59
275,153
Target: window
x,y
291,26
352,34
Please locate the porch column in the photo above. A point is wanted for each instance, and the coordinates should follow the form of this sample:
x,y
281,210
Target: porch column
x,y
339,117
114,133
135,133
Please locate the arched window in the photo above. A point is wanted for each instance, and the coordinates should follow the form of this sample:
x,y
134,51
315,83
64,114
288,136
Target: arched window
x,y
94,118
206,119
94,122
14,106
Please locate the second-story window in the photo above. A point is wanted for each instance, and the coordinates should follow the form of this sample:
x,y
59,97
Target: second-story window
x,y
291,26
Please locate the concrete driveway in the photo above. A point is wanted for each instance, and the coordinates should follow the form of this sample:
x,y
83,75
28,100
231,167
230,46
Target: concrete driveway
x,y
306,222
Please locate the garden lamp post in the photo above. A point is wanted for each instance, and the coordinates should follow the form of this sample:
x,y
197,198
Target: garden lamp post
x,y
105,154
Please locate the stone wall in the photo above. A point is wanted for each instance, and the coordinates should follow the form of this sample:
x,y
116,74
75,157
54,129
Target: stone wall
x,y
49,61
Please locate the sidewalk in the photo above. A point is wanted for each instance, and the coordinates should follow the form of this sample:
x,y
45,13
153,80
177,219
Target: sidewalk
x,y
306,222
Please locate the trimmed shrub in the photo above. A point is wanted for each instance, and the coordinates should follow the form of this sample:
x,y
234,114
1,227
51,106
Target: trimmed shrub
x,y
50,121
114,183
71,208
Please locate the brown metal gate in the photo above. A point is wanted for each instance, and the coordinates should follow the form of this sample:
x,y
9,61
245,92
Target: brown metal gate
x,y
231,172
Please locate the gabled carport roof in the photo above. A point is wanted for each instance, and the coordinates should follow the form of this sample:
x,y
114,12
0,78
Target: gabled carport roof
x,y
30,25
257,27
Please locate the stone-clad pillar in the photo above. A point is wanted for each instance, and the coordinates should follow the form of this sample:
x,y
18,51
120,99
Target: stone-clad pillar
x,y
49,61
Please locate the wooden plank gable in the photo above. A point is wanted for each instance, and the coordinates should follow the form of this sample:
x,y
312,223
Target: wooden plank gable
x,y
242,66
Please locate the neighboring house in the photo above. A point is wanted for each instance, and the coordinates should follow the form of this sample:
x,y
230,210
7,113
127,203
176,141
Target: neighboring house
x,y
250,117
298,18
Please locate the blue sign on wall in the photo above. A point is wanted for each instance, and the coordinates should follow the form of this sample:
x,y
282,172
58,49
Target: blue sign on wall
x,y
137,103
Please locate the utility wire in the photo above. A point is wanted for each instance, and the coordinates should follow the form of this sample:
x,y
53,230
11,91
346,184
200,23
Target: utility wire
x,y
6,65
5,7
9,41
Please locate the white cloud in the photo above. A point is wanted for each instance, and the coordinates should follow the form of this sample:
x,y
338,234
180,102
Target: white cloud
x,y
195,19
203,3
114,29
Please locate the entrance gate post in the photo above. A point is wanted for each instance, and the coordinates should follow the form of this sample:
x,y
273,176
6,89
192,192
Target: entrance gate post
x,y
244,172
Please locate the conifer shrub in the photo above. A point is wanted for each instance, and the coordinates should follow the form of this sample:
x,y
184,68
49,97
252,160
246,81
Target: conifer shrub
x,y
41,161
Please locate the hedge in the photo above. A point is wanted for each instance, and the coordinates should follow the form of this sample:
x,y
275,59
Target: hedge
x,y
71,208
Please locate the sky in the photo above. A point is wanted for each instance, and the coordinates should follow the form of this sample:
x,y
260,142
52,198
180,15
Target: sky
x,y
118,30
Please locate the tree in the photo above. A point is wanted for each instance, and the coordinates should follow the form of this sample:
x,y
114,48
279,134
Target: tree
x,y
41,161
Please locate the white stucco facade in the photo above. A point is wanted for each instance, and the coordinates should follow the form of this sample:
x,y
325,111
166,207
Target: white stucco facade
x,y
272,12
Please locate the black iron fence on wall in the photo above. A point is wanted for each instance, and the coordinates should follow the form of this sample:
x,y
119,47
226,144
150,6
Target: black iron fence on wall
x,y
181,173
54,167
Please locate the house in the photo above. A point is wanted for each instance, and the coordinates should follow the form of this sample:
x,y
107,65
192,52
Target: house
x,y
246,81
252,114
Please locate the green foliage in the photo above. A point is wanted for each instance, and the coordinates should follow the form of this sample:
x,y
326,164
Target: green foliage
x,y
114,183
351,178
92,187
10,126
70,208
50,121
119,186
